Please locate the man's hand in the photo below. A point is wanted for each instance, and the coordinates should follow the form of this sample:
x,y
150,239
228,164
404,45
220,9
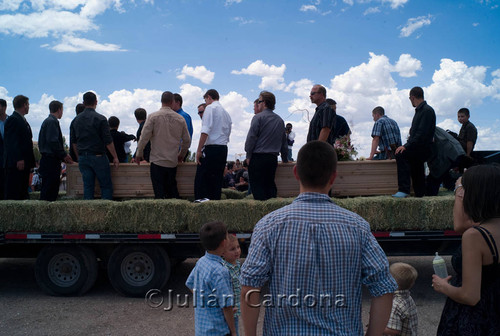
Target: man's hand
x,y
138,159
400,149
20,165
116,162
68,159
198,157
180,158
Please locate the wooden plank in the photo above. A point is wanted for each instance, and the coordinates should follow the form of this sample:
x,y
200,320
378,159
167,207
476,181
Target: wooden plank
x,y
354,178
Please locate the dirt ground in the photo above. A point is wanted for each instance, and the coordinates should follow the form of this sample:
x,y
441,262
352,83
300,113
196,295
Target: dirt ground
x,y
26,310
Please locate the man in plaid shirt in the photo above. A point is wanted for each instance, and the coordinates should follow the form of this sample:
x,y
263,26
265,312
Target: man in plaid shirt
x,y
315,256
386,135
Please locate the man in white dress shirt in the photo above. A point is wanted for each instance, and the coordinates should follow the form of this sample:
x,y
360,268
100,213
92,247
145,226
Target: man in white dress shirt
x,y
212,149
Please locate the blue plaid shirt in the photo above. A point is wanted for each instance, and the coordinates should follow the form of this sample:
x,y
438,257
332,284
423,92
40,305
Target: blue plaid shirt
x,y
388,131
315,255
212,290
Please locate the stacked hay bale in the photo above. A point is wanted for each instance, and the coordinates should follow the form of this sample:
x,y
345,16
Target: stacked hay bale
x,y
181,216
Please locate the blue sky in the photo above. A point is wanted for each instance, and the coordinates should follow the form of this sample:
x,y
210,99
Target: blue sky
x,y
365,52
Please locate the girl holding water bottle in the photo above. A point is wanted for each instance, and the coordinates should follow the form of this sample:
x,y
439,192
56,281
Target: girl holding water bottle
x,y
473,303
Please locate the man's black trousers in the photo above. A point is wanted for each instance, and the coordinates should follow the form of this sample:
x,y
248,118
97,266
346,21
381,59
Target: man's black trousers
x,y
210,173
411,164
50,172
261,171
164,182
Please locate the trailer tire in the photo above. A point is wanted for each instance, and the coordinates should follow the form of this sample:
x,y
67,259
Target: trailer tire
x,y
135,269
65,270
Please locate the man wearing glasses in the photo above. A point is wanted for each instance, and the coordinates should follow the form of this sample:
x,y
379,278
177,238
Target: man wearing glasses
x,y
322,125
212,149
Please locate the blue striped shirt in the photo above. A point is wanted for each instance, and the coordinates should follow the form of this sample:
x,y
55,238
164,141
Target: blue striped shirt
x,y
315,256
388,131
212,290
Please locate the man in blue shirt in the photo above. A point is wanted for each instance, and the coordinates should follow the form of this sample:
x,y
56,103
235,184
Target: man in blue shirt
x,y
315,256
177,107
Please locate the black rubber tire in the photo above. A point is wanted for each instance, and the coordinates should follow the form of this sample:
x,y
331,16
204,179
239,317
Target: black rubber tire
x,y
135,269
93,268
65,270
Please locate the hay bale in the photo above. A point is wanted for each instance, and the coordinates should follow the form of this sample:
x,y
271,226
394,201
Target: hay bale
x,y
181,216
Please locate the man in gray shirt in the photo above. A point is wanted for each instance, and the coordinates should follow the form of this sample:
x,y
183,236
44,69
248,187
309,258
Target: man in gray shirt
x,y
266,138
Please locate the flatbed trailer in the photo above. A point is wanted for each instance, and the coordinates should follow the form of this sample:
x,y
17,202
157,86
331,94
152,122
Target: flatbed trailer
x,y
70,239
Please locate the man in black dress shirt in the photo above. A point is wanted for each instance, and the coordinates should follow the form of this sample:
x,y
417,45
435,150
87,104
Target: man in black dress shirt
x,y
3,117
18,151
90,135
411,157
51,145
322,125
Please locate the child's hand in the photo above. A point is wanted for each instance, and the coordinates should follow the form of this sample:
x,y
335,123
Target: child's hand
x,y
439,283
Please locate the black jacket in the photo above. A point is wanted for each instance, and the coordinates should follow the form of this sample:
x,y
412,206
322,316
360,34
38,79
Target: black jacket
x,y
422,128
18,143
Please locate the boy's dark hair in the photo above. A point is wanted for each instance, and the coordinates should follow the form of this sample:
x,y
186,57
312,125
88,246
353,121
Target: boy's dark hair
x,y
54,106
417,92
203,104
212,93
464,110
140,113
404,274
19,101
316,162
212,234
89,99
113,122
330,101
178,98
482,192
79,108
379,110
3,103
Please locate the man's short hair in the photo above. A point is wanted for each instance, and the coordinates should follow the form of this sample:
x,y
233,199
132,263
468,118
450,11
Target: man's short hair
x,y
178,98
379,110
3,103
212,234
269,99
19,101
54,106
321,89
330,101
417,92
140,114
167,97
288,125
113,122
79,108
212,93
202,104
404,274
230,165
481,192
464,110
89,99
316,162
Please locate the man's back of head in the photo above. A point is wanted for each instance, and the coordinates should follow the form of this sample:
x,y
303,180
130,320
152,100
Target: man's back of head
x,y
140,114
167,98
79,108
212,93
316,165
89,99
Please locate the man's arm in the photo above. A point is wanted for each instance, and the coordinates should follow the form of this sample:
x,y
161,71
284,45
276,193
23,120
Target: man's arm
x,y
111,148
380,310
186,143
229,317
375,142
470,145
201,143
250,309
324,133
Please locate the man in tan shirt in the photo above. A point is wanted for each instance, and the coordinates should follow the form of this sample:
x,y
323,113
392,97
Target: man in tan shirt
x,y
170,141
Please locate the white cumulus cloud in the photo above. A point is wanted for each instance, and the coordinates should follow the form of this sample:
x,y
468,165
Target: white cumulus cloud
x,y
308,8
199,72
415,23
76,44
407,66
272,75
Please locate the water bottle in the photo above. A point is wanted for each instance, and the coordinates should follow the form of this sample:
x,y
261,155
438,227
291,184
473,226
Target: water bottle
x,y
439,266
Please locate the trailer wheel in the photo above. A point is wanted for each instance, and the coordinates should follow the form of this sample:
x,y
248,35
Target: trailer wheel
x,y
135,269
65,270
